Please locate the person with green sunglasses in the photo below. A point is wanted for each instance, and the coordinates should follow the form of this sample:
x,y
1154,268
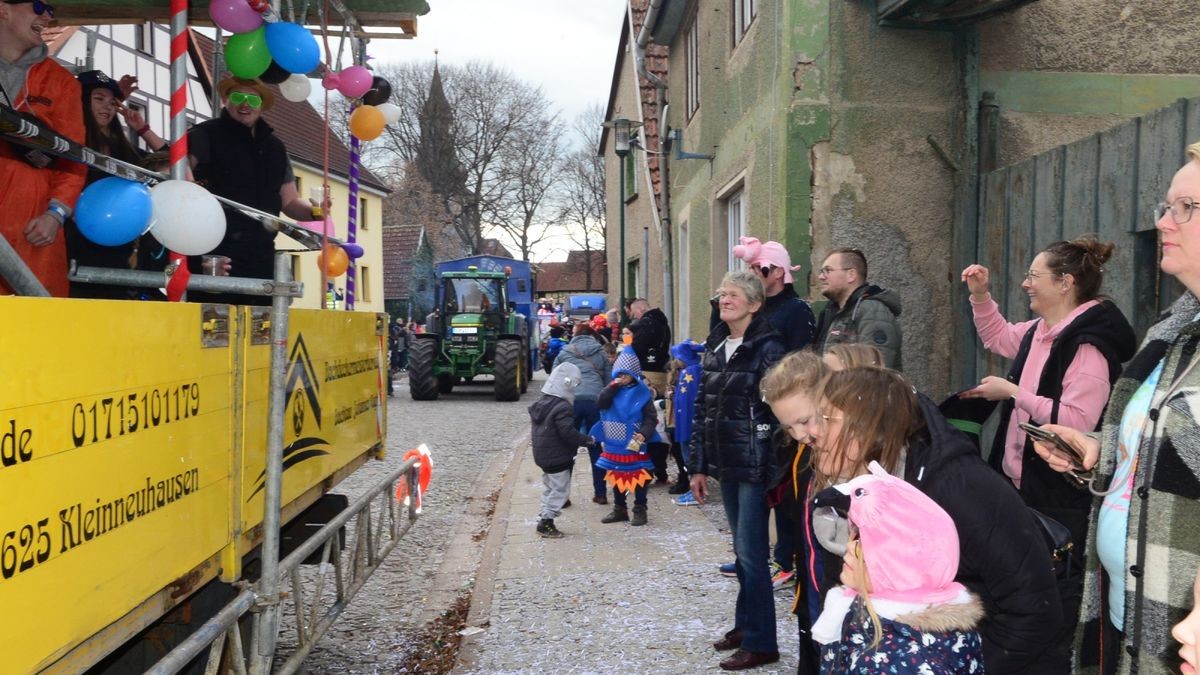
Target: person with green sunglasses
x,y
239,157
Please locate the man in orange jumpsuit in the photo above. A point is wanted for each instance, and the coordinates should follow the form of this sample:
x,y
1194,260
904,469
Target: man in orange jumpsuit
x,y
35,200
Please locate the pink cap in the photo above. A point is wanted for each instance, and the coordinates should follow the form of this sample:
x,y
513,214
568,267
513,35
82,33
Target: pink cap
x,y
909,543
765,253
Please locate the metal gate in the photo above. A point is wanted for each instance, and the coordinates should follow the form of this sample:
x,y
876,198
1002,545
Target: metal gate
x,y
1107,185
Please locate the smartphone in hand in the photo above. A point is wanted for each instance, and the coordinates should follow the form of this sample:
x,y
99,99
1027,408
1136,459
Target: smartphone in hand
x,y
1059,446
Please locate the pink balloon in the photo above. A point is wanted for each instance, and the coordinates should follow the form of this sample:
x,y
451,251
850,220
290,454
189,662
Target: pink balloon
x,y
331,81
354,81
234,16
318,226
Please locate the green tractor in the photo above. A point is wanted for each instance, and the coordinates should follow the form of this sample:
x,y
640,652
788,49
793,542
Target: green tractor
x,y
478,333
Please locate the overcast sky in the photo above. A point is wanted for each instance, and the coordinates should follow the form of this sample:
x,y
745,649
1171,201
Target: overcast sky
x,y
568,47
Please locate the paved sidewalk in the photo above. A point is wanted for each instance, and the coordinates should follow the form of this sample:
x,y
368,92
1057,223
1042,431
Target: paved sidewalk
x,y
604,598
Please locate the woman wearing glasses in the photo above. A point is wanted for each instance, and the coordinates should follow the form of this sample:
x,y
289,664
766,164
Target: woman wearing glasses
x,y
1064,364
1142,550
238,156
37,192
731,439
869,415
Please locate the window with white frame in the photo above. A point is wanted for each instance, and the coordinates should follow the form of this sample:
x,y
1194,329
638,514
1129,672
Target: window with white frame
x,y
743,15
364,283
735,225
691,56
143,38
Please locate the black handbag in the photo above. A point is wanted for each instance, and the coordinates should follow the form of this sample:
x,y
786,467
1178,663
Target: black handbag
x,y
1058,540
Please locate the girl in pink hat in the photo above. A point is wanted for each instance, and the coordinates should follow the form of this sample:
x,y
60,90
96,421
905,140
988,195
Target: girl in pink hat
x,y
898,609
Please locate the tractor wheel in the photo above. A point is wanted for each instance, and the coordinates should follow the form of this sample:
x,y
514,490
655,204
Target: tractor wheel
x,y
525,374
507,365
445,383
422,385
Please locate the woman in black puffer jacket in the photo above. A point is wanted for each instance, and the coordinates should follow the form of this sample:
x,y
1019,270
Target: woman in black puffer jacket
x,y
731,440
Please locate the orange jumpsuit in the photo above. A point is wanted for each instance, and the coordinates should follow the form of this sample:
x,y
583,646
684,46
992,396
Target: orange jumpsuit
x,y
53,95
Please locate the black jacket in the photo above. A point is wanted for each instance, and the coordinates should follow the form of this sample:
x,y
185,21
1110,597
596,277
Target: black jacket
x,y
732,426
788,313
1003,557
1043,488
652,340
554,437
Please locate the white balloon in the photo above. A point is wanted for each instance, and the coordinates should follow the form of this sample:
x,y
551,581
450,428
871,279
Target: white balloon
x,y
188,219
296,88
391,112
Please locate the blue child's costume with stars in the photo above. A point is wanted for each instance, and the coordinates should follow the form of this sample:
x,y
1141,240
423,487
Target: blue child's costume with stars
x,y
687,387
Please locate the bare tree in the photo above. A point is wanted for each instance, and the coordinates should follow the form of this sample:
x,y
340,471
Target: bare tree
x,y
581,193
529,172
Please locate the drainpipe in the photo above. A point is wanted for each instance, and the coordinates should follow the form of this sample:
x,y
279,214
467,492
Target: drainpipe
x,y
660,87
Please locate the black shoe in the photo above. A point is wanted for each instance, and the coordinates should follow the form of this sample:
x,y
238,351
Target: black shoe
x,y
619,515
547,529
742,660
639,516
731,640
600,499
567,504
679,488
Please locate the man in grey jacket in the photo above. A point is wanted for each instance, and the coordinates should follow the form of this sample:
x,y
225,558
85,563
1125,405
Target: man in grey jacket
x,y
584,352
857,312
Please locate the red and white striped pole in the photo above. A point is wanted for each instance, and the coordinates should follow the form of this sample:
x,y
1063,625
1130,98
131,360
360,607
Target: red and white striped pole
x,y
177,285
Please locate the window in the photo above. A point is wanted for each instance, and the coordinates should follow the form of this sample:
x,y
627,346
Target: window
x,y
134,139
633,277
735,225
364,283
683,264
631,181
743,13
362,213
295,267
143,38
691,57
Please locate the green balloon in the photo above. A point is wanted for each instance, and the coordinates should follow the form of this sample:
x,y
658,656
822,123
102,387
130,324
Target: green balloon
x,y
246,54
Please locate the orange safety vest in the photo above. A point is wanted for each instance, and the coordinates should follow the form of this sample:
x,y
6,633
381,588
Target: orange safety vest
x,y
53,95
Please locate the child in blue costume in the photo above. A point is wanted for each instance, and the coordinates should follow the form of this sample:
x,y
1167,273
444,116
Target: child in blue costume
x,y
683,402
626,426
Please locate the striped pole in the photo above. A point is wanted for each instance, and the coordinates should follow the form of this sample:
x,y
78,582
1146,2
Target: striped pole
x,y
352,220
177,285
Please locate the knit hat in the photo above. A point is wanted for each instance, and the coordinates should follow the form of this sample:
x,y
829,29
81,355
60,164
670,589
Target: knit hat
x,y
562,381
98,79
627,362
909,543
599,322
766,253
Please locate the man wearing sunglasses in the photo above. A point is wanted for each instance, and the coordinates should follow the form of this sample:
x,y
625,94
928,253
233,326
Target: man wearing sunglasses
x,y
37,192
238,156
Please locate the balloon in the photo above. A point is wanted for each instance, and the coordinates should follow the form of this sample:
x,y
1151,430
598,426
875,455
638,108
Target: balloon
x,y
235,16
380,92
296,88
274,74
293,47
353,250
354,81
113,211
367,122
391,112
331,81
336,262
246,54
188,219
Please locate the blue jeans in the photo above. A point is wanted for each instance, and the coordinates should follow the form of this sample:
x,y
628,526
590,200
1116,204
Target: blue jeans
x,y
586,415
746,509
785,539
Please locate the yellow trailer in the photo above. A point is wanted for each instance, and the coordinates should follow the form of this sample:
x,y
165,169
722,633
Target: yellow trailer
x,y
133,440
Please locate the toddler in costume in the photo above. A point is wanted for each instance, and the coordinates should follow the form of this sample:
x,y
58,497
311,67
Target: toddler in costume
x,y
555,442
898,610
627,424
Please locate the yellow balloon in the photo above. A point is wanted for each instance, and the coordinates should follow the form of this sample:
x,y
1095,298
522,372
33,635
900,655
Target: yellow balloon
x,y
367,122
334,260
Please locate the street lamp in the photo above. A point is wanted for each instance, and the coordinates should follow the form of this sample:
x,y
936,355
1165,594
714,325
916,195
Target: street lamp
x,y
622,144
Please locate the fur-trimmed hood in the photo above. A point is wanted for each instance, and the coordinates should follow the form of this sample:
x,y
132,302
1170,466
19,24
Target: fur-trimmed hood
x,y
947,617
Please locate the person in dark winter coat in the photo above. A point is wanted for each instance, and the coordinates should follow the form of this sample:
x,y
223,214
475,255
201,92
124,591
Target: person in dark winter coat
x,y
651,342
870,414
588,355
627,425
787,312
555,440
731,439
857,311
1064,364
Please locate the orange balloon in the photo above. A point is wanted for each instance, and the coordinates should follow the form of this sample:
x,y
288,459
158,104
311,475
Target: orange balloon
x,y
367,122
334,260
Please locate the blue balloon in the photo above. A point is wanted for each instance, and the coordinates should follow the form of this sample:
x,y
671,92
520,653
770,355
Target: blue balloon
x,y
293,47
113,211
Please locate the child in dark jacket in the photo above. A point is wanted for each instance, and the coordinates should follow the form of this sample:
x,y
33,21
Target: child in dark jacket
x,y
627,423
555,442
